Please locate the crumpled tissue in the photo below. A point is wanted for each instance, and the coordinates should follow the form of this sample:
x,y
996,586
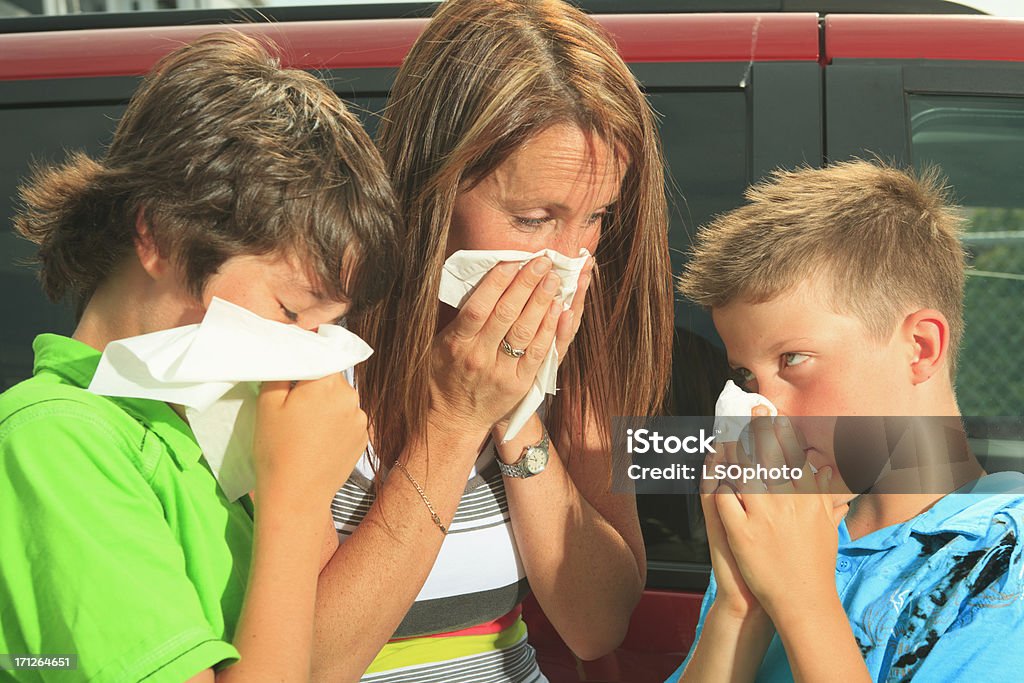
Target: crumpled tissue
x,y
732,414
214,368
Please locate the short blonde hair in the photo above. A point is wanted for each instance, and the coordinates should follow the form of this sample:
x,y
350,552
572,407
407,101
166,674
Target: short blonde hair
x,y
884,238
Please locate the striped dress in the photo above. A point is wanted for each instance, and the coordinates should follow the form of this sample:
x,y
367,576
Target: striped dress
x,y
466,623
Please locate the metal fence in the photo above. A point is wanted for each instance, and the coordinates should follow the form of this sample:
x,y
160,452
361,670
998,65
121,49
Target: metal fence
x,y
990,376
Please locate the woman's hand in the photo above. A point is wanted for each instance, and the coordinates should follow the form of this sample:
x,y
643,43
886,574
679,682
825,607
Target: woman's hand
x,y
570,320
308,438
474,381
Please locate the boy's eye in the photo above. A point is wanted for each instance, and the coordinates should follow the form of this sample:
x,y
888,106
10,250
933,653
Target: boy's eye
x,y
743,375
792,359
291,315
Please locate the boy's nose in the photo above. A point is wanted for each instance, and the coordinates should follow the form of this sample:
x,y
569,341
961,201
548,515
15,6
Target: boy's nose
x,y
775,391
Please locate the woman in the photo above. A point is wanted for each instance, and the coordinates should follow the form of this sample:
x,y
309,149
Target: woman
x,y
512,125
227,176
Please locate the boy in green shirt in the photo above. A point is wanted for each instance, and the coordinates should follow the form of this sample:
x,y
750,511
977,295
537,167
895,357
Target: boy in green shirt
x,y
228,176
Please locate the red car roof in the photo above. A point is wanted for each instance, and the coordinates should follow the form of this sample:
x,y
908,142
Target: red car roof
x,y
923,37
384,43
359,43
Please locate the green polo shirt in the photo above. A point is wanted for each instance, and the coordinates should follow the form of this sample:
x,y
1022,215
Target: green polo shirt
x,y
116,544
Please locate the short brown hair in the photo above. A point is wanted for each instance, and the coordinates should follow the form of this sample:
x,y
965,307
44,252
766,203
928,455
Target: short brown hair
x,y
482,80
884,238
223,153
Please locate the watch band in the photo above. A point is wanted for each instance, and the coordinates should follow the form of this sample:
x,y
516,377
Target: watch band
x,y
531,462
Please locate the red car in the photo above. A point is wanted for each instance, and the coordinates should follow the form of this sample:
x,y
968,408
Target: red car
x,y
738,95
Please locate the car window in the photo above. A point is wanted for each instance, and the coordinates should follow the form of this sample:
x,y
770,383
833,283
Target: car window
x,y
978,143
704,135
44,134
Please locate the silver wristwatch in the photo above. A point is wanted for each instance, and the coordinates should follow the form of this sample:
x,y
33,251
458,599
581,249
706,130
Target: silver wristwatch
x,y
533,460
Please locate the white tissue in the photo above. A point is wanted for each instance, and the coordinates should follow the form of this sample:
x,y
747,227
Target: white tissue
x,y
732,413
213,369
464,269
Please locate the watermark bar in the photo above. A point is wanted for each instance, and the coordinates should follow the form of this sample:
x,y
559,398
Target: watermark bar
x,y
878,454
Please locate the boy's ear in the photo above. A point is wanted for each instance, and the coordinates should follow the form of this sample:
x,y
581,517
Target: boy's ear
x,y
146,248
927,335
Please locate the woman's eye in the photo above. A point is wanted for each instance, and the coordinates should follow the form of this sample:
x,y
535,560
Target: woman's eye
x,y
291,315
791,359
600,216
531,222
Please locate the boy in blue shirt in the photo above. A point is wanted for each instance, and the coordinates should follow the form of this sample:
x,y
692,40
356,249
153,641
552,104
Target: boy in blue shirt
x,y
839,292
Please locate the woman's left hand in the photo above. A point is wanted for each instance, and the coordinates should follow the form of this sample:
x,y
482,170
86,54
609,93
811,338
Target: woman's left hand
x,y
569,322
784,539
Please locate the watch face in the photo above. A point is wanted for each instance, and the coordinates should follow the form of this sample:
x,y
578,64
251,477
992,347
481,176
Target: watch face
x,y
535,460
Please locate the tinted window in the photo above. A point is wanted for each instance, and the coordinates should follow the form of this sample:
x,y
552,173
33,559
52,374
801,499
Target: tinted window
x,y
978,142
40,135
706,145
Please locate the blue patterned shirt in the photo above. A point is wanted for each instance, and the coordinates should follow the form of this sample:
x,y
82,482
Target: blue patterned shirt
x,y
936,598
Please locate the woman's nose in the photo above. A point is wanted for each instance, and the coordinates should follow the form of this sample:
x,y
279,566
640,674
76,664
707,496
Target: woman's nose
x,y
569,242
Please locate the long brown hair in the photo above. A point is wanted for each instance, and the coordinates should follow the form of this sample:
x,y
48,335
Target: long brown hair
x,y
482,79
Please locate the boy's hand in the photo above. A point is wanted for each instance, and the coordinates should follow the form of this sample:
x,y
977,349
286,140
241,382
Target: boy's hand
x,y
734,596
784,540
308,438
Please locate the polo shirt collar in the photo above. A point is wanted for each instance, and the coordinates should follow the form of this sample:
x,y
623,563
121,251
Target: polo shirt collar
x,y
75,362
882,539
967,511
